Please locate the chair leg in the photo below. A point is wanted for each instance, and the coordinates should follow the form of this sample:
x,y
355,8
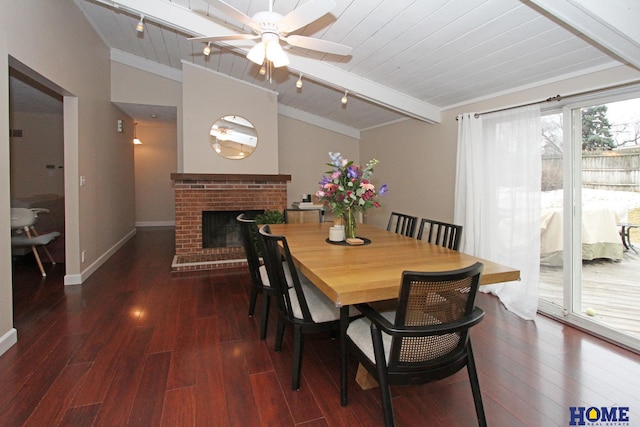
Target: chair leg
x,y
265,315
383,380
35,253
298,344
35,233
252,300
475,387
279,334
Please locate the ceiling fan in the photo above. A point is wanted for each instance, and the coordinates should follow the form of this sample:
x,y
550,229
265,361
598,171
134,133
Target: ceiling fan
x,y
271,27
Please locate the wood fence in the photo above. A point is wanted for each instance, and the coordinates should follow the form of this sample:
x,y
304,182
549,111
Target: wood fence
x,y
611,170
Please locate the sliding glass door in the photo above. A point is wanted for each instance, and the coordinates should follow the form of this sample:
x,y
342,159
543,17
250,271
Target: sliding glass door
x,y
590,219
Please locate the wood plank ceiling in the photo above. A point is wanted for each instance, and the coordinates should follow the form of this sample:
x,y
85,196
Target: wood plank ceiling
x,y
410,57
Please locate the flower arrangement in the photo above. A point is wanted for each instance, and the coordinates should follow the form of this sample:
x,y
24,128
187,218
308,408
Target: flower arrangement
x,y
348,188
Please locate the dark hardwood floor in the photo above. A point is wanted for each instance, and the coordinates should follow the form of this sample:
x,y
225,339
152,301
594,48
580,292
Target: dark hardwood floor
x,y
138,345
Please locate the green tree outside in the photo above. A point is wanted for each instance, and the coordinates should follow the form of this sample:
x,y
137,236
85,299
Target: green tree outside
x,y
596,129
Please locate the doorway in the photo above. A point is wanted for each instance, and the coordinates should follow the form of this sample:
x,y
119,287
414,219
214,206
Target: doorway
x,y
590,219
37,173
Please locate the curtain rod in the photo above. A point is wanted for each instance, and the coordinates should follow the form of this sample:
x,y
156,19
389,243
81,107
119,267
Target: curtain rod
x,y
558,98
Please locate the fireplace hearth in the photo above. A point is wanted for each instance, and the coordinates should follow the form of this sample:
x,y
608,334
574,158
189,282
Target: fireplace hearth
x,y
199,193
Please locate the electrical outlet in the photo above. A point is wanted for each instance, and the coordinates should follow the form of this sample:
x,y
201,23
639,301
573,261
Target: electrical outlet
x,y
83,181
84,256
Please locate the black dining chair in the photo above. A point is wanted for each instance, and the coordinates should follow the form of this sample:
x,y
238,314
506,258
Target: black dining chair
x,y
259,278
440,233
300,303
426,338
402,224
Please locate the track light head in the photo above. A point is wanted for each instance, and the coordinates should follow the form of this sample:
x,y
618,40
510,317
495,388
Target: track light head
x,y
140,25
344,99
207,49
299,82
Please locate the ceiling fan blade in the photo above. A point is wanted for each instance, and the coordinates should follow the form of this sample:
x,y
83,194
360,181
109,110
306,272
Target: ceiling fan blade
x,y
305,14
234,13
223,38
318,44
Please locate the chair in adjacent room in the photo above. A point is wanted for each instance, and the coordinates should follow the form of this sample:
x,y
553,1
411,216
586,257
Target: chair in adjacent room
x,y
440,233
300,303
23,222
402,224
258,272
426,338
300,216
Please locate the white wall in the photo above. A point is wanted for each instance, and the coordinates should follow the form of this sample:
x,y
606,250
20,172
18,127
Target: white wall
x,y
207,96
155,160
304,154
41,144
158,156
74,62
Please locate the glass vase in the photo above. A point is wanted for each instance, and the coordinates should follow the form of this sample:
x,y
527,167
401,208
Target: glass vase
x,y
349,224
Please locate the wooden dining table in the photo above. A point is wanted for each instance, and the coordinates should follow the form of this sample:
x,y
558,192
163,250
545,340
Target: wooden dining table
x,y
371,272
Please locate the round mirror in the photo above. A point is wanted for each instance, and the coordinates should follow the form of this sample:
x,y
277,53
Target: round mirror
x,y
233,137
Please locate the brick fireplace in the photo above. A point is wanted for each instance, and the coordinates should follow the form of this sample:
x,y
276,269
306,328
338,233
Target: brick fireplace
x,y
198,193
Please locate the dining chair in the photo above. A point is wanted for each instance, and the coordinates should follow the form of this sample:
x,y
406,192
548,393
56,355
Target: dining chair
x,y
23,221
259,279
299,216
402,224
440,233
300,303
426,338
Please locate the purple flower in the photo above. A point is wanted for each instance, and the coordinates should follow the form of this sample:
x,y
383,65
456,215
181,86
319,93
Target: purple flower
x,y
383,189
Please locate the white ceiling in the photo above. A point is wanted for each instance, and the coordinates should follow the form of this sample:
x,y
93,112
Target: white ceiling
x,y
411,58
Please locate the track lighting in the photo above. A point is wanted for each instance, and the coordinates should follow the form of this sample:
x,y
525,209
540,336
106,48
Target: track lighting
x,y
344,99
299,82
140,25
263,70
207,49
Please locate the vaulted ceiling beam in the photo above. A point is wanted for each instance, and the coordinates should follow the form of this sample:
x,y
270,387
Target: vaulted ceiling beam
x,y
614,28
195,24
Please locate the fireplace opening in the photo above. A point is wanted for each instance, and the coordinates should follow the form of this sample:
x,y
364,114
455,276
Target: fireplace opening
x,y
220,228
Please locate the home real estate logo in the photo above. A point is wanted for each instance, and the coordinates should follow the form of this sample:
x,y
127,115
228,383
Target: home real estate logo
x,y
603,416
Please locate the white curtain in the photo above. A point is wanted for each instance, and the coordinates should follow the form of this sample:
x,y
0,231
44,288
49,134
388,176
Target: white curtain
x,y
497,198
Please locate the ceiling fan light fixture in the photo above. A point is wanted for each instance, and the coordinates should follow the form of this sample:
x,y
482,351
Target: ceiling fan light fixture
x,y
140,25
276,54
257,54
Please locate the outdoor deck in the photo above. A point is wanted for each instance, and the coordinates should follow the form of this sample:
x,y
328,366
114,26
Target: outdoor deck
x,y
611,288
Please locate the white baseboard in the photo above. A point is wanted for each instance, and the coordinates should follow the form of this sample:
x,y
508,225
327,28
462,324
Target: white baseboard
x,y
8,340
78,279
156,224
